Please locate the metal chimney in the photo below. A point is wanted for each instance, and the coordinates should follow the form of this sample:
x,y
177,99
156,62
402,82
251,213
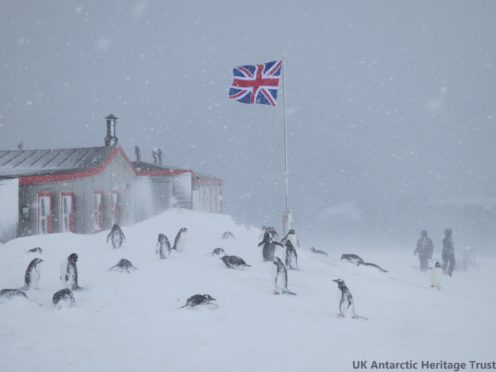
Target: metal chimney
x,y
111,138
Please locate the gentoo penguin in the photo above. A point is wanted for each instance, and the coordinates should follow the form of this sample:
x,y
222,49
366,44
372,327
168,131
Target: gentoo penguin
x,y
233,261
357,260
346,303
32,275
116,236
35,250
11,293
68,272
280,276
198,299
163,247
291,256
437,276
268,246
217,251
291,236
123,265
318,251
63,297
228,235
180,241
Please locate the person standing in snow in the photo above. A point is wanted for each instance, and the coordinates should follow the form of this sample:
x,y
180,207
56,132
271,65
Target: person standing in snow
x,y
424,249
448,253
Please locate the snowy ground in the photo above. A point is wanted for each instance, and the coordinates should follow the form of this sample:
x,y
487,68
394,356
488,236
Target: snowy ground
x,y
130,322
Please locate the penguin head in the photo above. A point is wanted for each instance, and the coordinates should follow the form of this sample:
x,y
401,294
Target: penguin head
x,y
291,231
423,233
73,257
448,232
183,229
37,261
207,297
339,282
161,238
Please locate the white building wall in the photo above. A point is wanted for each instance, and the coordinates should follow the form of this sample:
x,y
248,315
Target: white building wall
x,y
9,211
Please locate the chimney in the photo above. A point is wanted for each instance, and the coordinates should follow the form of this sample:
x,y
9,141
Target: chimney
x,y
111,139
159,157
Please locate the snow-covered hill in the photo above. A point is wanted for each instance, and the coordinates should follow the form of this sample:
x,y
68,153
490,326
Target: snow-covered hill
x,y
131,322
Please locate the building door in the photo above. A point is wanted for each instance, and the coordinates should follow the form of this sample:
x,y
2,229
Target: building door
x,y
115,207
45,218
67,212
98,210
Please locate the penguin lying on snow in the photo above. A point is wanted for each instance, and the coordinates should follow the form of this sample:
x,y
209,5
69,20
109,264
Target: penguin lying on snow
x,y
123,265
163,247
116,236
180,240
198,299
280,275
228,235
32,275
318,251
63,297
233,261
12,293
357,260
35,250
217,251
346,303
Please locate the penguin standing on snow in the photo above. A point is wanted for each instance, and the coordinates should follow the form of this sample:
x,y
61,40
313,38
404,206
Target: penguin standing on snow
x,y
436,276
32,275
292,237
280,276
268,246
346,303
163,247
291,256
180,241
116,236
68,272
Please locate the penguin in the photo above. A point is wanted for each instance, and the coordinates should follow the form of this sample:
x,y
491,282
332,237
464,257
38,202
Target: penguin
x,y
198,299
217,252
68,272
63,297
163,247
291,236
35,250
357,260
436,276
123,265
180,240
233,261
318,251
291,256
32,275
346,303
268,246
228,235
271,230
11,293
280,276
116,236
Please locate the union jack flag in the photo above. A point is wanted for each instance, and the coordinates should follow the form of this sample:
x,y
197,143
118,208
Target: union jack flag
x,y
256,83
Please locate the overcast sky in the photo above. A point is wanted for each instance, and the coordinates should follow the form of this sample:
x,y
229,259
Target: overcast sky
x,y
390,104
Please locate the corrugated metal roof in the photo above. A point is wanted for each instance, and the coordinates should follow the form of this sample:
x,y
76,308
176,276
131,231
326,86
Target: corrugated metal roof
x,y
16,163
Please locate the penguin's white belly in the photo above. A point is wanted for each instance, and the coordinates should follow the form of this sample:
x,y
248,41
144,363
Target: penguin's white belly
x,y
182,242
294,240
35,278
436,277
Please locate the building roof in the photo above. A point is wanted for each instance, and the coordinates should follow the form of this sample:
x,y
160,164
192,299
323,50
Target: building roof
x,y
17,163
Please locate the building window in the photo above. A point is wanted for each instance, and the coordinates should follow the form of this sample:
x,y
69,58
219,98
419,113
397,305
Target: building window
x,y
115,207
98,213
45,216
67,218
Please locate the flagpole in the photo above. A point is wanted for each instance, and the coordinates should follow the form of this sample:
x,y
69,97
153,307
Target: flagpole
x,y
287,220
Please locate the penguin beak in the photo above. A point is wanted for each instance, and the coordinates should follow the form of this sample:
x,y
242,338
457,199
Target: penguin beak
x,y
335,280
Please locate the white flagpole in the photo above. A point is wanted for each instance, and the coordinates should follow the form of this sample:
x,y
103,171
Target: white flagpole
x,y
286,218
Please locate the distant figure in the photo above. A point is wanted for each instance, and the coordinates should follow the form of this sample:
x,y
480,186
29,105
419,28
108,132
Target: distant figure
x,y
163,246
154,155
436,276
116,236
69,273
318,251
448,253
159,157
424,249
137,152
268,246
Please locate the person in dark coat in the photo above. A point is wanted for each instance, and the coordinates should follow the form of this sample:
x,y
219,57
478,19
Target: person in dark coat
x,y
448,253
424,249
